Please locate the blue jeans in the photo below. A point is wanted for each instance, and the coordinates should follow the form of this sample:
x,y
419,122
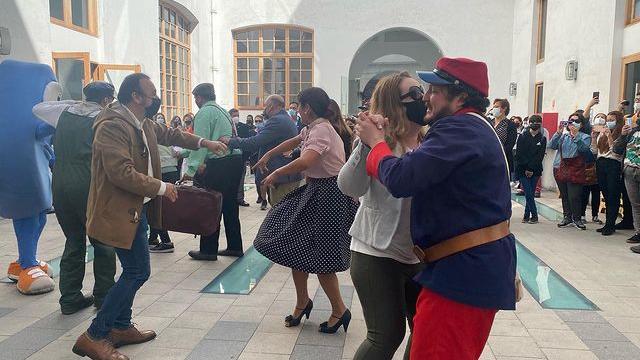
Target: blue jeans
x,y
28,232
136,269
529,187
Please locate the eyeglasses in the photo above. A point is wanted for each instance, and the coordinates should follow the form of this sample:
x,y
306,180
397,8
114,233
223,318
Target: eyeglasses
x,y
415,92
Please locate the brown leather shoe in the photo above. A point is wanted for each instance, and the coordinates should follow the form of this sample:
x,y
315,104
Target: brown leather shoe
x,y
130,336
96,349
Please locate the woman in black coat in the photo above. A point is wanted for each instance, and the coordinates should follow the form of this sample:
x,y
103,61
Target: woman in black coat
x,y
528,158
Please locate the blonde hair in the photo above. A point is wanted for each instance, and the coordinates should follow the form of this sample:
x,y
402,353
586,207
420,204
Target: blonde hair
x,y
386,101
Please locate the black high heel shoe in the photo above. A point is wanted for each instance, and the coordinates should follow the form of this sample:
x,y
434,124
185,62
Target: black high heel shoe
x,y
291,321
342,321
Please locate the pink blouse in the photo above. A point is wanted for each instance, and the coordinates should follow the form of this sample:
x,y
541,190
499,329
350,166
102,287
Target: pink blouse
x,y
322,138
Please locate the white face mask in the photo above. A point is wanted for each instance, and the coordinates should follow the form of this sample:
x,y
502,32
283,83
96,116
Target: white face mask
x,y
636,107
495,112
599,121
236,120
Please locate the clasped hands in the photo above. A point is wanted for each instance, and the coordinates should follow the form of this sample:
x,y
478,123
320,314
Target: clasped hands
x,y
370,128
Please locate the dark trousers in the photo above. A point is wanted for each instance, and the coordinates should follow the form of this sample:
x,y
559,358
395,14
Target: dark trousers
x,y
136,269
168,177
241,186
609,173
594,191
224,175
571,199
388,296
71,214
529,187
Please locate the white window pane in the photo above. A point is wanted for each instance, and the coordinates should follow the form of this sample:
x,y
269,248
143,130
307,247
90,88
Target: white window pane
x,y
70,74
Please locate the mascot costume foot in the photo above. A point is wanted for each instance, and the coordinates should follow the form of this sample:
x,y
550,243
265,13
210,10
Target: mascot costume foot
x,y
25,182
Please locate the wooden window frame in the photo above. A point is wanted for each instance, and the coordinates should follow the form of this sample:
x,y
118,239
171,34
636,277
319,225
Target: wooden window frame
x,y
84,56
623,76
539,35
536,97
631,17
287,55
98,72
92,18
186,45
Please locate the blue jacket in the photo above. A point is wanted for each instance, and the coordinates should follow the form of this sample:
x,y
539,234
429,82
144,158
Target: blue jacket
x,y
278,129
571,146
459,182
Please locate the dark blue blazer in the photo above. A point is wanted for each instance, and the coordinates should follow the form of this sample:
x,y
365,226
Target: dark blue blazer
x,y
277,129
459,182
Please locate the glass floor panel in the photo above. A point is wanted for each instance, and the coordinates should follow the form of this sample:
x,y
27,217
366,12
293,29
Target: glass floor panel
x,y
550,289
241,276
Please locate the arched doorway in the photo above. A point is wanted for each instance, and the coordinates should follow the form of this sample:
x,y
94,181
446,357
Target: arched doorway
x,y
389,51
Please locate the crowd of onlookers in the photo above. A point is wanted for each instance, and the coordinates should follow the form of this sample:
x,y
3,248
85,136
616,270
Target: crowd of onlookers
x,y
595,164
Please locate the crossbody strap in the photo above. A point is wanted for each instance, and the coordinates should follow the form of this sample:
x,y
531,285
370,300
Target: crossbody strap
x,y
484,121
234,130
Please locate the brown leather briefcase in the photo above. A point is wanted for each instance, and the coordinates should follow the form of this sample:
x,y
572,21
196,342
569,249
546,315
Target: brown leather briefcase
x,y
197,211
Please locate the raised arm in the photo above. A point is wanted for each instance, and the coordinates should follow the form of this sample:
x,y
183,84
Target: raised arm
x,y
50,111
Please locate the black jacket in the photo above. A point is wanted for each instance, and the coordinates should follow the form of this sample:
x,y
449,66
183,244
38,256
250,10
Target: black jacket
x,y
529,153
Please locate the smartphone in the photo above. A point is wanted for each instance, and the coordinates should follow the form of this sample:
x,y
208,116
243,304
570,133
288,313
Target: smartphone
x,y
629,121
564,123
596,94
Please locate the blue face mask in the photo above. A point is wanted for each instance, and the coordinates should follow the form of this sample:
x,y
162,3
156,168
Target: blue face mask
x,y
292,112
611,124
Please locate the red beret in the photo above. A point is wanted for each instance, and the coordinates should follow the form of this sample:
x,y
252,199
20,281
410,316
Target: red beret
x,y
459,71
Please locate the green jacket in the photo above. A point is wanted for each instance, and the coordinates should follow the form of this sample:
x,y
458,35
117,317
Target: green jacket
x,y
72,169
211,122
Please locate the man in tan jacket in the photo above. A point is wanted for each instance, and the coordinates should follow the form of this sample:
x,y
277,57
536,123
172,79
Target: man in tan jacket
x,y
124,194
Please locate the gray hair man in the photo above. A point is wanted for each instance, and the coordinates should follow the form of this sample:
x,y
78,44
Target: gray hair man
x,y
278,129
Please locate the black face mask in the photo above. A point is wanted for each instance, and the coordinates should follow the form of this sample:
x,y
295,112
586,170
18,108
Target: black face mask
x,y
534,127
416,110
153,108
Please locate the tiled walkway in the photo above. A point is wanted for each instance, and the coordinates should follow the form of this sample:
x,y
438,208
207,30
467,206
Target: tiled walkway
x,y
194,325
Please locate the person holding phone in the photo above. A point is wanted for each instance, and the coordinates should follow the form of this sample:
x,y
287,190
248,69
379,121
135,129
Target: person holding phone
x,y
569,166
628,145
609,166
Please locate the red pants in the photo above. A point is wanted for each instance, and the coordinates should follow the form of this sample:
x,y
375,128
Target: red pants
x,y
444,329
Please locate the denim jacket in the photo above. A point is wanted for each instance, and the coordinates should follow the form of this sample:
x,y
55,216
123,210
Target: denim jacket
x,y
571,146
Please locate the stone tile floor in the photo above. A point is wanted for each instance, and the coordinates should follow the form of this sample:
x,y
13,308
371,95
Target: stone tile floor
x,y
194,325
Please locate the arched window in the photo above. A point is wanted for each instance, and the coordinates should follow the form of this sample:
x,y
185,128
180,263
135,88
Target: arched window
x,y
175,62
271,59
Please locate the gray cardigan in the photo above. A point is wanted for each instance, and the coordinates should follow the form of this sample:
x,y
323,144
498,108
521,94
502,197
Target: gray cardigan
x,y
378,216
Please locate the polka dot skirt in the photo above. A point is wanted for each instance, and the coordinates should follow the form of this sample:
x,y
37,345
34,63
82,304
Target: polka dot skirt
x,y
308,230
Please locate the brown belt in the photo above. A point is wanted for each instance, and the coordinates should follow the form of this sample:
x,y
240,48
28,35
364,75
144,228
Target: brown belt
x,y
462,242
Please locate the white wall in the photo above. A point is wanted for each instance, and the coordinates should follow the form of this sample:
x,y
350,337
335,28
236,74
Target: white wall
x,y
341,27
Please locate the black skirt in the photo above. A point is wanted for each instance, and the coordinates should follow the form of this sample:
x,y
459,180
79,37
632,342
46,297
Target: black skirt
x,y
308,230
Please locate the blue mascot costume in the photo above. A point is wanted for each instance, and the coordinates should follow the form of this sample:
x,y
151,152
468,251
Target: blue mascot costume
x,y
25,182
